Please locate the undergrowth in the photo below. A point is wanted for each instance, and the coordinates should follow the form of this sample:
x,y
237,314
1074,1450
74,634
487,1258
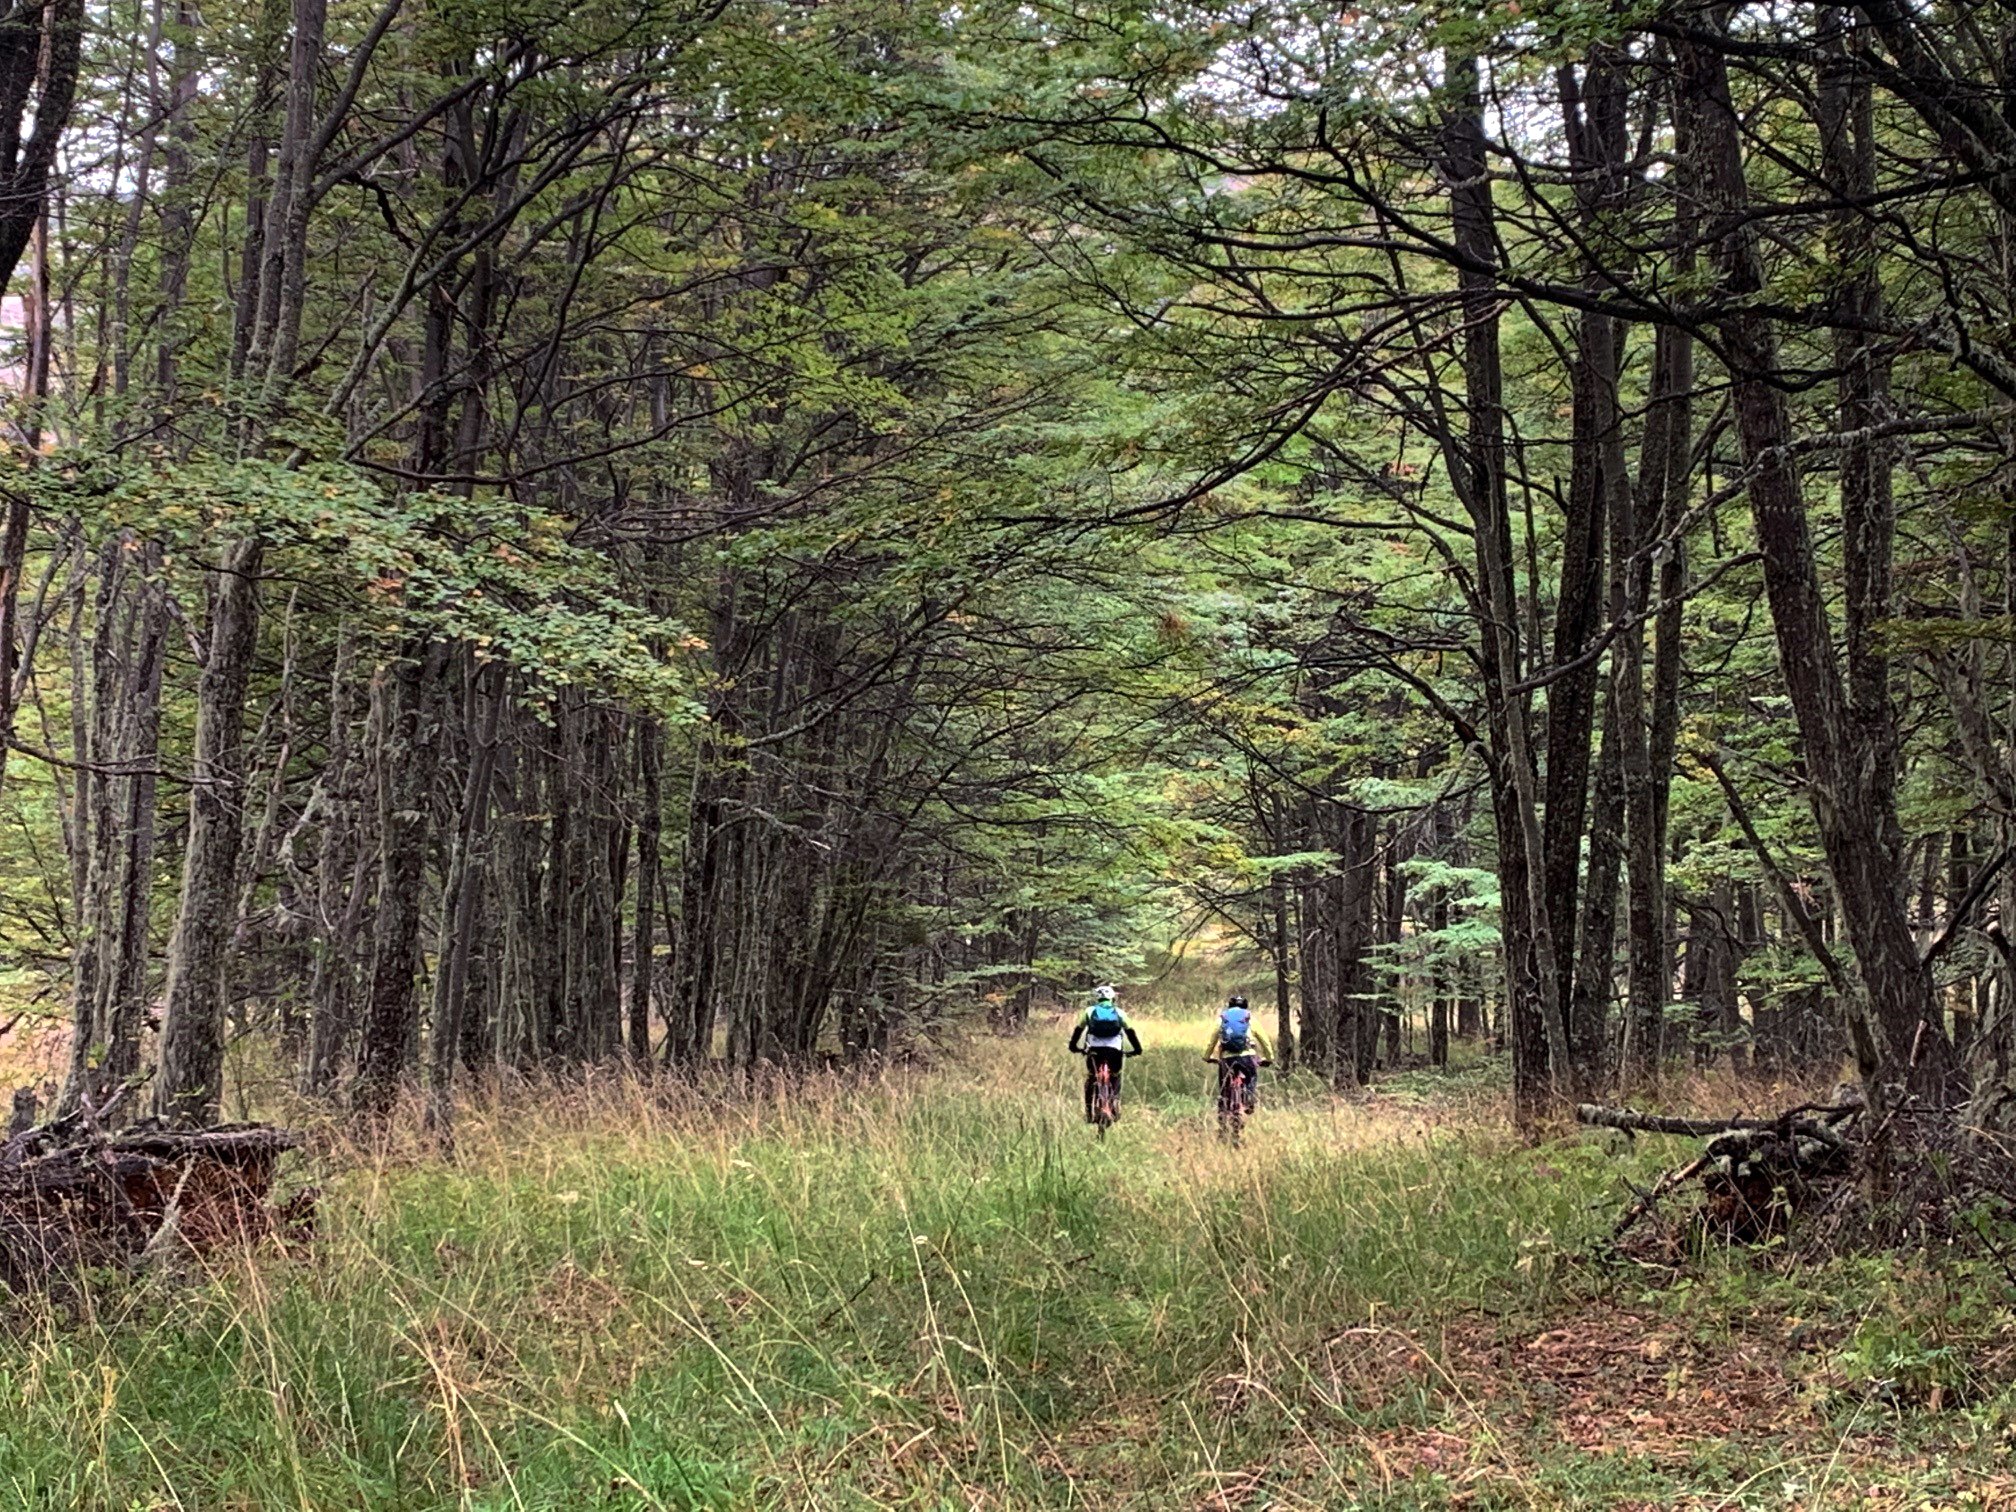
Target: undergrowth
x,y
936,1290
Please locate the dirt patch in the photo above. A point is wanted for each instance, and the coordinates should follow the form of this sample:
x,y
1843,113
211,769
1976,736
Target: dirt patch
x,y
1369,1368
1615,1382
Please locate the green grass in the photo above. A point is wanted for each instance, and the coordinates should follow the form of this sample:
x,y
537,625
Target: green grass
x,y
936,1291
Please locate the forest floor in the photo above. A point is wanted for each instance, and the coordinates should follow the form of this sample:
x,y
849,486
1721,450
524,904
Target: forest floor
x,y
938,1291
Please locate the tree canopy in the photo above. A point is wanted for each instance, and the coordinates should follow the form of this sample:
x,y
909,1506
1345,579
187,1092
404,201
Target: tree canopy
x,y
726,531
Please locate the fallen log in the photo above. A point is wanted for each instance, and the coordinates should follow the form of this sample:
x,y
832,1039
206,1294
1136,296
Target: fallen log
x,y
73,1197
1755,1174
1800,1120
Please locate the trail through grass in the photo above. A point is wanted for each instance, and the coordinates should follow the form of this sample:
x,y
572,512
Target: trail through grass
x,y
937,1290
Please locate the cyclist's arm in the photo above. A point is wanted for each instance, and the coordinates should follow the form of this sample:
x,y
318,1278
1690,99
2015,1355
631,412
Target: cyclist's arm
x,y
1132,1038
1079,1027
1211,1050
1266,1051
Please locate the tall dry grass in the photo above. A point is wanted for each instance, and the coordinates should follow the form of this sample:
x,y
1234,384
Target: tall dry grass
x,y
920,1289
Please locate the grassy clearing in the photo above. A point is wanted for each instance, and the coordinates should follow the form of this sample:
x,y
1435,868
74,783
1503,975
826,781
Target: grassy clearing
x,y
936,1291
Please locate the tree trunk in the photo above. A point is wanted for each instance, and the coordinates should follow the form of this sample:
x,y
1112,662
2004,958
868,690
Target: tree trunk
x,y
406,763
41,46
1284,1021
190,1080
1853,809
1542,1068
467,863
343,871
643,968
1596,967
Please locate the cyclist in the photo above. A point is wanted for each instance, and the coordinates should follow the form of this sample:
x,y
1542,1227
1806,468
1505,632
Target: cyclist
x,y
1103,1028
1237,1046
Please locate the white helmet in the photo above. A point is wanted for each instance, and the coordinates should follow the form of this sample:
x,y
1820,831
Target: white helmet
x,y
1104,994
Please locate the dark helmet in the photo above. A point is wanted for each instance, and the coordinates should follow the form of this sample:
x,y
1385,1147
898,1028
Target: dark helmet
x,y
1237,1000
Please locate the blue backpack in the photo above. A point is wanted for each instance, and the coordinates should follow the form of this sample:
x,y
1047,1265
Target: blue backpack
x,y
1105,1020
1234,1024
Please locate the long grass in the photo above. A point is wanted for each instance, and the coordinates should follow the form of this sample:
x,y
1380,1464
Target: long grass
x,y
928,1290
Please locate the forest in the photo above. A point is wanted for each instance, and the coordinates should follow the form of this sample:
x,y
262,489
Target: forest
x,y
611,614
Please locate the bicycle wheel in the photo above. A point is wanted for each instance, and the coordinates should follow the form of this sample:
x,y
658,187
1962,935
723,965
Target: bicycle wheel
x,y
1105,1107
1231,1108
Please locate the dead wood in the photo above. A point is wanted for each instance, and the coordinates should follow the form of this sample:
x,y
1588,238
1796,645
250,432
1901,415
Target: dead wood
x,y
1649,1199
1629,1121
1755,1174
73,1197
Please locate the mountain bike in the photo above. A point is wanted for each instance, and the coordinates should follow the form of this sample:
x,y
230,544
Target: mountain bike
x,y
1235,1100
1105,1098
